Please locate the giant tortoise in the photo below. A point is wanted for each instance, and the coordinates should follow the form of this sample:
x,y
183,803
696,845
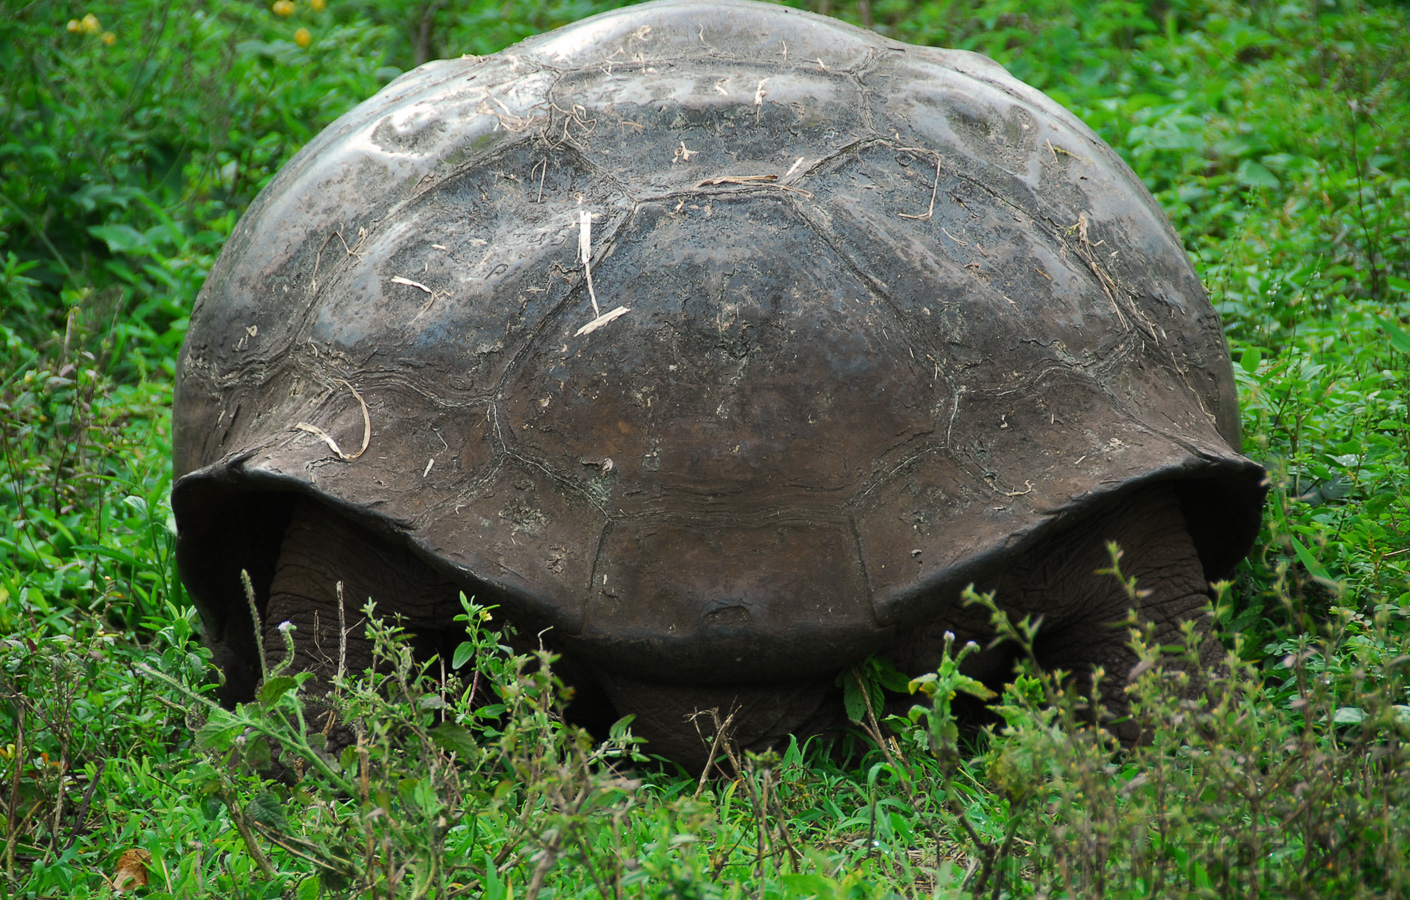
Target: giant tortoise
x,y
723,345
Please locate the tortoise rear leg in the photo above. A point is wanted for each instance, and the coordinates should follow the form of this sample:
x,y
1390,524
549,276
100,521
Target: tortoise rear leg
x,y
322,549
1083,612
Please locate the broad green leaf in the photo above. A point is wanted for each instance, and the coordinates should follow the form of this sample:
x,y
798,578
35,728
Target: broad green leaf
x,y
1309,561
121,238
494,888
463,654
257,755
1399,338
1252,174
925,684
890,677
973,688
622,727
274,688
218,734
454,738
852,700
308,889
266,809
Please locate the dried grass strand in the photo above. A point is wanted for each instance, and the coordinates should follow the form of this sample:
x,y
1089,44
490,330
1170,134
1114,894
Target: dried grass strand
x,y
601,320
329,439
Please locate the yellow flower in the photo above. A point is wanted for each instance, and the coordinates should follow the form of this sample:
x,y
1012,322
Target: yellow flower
x,y
74,26
302,37
318,5
109,38
90,24
283,8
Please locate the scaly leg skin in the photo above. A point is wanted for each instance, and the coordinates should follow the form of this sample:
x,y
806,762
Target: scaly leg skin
x,y
320,550
1082,612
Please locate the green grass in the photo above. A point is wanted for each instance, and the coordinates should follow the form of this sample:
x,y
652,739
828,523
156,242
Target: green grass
x,y
1273,135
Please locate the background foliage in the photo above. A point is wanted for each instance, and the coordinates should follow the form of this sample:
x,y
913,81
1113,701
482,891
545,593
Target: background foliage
x,y
132,135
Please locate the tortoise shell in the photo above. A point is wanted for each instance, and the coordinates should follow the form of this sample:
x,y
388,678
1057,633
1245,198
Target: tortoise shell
x,y
725,339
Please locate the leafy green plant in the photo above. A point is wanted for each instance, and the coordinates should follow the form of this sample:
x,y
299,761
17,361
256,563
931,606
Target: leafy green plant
x,y
434,788
1219,795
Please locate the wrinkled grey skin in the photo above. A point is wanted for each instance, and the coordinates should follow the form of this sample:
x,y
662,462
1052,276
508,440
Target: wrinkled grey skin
x,y
884,323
